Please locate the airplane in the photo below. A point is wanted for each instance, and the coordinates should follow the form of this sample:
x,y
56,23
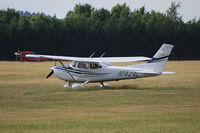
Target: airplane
x,y
21,55
92,69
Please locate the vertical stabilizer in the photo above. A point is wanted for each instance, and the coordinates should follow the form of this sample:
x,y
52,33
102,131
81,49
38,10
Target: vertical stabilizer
x,y
160,58
163,52
158,61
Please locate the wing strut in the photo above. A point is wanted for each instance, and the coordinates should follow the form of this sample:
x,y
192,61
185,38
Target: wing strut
x,y
67,70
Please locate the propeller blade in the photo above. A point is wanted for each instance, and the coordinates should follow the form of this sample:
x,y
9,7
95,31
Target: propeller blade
x,y
50,74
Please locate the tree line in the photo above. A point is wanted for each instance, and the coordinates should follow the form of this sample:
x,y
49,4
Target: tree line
x,y
84,30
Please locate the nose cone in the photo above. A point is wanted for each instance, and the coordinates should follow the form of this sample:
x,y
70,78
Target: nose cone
x,y
62,73
58,72
52,68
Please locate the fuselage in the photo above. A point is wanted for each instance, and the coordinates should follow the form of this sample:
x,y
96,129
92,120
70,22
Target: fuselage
x,y
103,72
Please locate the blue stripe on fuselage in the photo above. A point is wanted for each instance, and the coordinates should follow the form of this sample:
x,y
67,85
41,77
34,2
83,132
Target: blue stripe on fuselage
x,y
158,59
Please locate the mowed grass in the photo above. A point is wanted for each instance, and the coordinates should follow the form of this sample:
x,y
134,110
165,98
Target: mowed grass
x,y
29,103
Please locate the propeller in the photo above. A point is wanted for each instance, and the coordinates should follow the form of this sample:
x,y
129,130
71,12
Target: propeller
x,y
49,74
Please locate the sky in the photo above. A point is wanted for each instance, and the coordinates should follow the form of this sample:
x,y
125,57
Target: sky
x,y
189,8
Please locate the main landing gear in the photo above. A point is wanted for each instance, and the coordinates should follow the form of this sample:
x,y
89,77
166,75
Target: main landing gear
x,y
77,86
104,85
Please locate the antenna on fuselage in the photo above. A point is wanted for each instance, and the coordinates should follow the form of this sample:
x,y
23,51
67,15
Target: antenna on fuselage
x,y
92,55
102,54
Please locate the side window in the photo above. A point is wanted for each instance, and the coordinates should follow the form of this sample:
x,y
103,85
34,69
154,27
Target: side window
x,y
94,66
81,65
86,65
91,65
97,66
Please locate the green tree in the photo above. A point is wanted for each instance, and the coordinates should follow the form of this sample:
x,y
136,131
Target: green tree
x,y
83,10
172,12
84,30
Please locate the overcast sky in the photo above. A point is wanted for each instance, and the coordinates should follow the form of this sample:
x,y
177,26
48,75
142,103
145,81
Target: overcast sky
x,y
189,8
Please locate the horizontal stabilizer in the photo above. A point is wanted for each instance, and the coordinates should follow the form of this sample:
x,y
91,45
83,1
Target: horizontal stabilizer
x,y
168,72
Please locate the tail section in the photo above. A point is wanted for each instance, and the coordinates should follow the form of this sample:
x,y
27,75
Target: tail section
x,y
160,58
158,61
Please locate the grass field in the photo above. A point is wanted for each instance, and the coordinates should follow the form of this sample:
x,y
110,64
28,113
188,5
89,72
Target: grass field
x,y
29,103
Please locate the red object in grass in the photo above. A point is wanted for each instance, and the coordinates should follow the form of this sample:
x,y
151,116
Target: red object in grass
x,y
22,56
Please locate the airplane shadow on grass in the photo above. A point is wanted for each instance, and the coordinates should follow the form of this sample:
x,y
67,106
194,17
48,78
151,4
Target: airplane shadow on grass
x,y
95,88
122,87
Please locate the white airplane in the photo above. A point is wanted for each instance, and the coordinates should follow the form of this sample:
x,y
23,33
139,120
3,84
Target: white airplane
x,y
87,70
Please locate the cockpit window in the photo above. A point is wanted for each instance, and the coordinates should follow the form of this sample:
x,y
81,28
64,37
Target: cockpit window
x,y
81,65
88,65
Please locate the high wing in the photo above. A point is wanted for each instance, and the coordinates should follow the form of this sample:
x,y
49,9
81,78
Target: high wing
x,y
84,59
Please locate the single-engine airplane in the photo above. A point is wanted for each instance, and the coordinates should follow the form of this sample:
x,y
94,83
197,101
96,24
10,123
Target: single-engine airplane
x,y
87,70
